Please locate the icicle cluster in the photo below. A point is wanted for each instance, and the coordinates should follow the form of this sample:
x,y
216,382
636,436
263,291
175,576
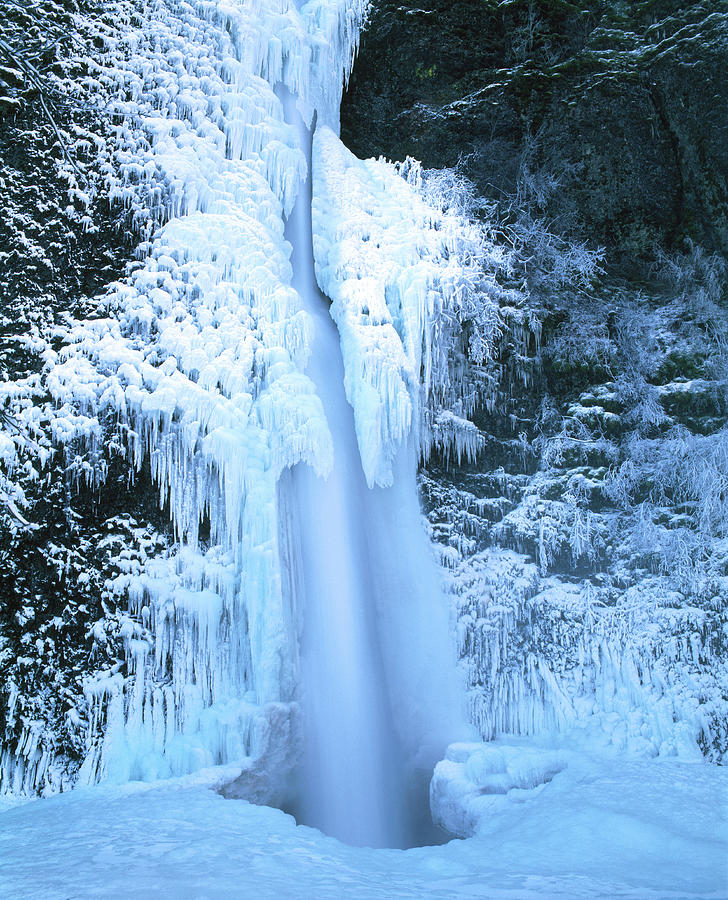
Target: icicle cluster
x,y
198,356
403,275
545,656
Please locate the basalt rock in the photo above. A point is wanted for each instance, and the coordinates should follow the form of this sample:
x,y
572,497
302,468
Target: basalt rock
x,y
609,118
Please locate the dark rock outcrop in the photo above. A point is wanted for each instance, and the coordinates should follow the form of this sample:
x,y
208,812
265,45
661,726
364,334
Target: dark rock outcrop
x,y
610,119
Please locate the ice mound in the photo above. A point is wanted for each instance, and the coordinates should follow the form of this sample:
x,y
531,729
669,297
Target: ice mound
x,y
475,780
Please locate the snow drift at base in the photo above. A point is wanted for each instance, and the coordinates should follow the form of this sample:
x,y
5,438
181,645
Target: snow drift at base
x,y
601,827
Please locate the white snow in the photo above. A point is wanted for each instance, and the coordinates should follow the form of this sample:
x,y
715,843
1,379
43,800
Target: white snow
x,y
601,827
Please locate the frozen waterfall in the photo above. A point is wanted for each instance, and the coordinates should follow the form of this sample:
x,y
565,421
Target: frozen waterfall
x,y
216,363
367,596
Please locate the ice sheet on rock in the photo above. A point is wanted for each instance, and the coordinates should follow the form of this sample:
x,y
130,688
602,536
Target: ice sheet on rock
x,y
401,274
198,358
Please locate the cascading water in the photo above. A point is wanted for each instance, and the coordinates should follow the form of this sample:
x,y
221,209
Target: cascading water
x,y
349,786
372,612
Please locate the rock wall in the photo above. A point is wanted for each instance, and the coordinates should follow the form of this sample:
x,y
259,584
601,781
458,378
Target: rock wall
x,y
607,118
586,544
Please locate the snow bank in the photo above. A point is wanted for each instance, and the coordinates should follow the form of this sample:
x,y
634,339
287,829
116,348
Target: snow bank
x,y
648,830
474,781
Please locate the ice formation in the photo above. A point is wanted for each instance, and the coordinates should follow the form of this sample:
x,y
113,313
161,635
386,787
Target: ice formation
x,y
197,362
400,273
196,365
544,656
476,781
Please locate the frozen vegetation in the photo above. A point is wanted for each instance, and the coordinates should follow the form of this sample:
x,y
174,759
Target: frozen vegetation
x,y
588,554
288,582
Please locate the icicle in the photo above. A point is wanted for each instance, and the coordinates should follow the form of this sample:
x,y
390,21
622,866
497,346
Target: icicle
x,y
201,360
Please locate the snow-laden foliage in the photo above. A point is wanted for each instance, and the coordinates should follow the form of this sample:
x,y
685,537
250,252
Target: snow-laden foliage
x,y
62,636
588,556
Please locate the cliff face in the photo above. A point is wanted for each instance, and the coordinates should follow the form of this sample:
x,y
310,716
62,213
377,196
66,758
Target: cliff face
x,y
60,244
587,541
607,117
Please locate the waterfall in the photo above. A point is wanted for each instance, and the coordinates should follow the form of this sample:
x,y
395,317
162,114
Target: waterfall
x,y
283,445
346,781
372,613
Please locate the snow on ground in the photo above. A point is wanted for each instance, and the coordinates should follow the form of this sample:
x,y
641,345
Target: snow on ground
x,y
602,827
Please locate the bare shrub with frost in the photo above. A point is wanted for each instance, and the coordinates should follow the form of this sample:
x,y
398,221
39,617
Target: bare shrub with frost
x,y
677,486
548,257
